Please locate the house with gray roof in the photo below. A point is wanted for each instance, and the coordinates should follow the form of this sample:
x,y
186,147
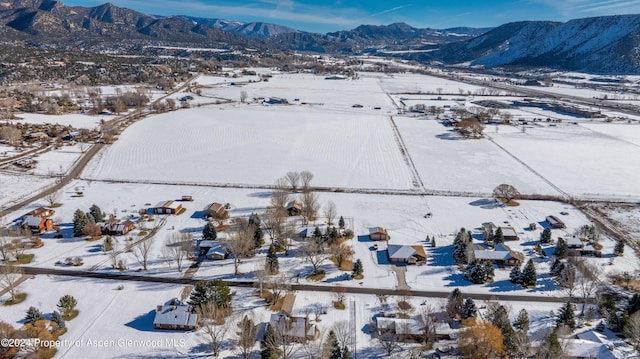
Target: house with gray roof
x,y
500,254
174,315
406,254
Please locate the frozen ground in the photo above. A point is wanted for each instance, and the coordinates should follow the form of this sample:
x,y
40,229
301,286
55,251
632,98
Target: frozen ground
x,y
73,120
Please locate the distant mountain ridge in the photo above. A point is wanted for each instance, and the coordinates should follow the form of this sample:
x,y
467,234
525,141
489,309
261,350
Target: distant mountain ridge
x,y
608,44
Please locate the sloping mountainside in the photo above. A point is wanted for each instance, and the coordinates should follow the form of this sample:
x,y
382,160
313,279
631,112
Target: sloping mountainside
x,y
609,44
53,22
257,30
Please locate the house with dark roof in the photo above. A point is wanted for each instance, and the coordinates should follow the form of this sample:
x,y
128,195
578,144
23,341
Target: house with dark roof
x,y
555,222
174,315
406,254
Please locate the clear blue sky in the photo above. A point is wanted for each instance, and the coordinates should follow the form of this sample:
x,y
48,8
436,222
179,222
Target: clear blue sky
x,y
332,15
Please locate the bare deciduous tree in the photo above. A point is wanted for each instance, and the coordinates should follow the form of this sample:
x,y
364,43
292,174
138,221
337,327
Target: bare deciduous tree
x,y
589,280
246,336
305,180
293,178
240,244
330,212
274,220
214,324
314,253
632,329
52,198
141,252
310,206
9,279
243,96
278,285
505,193
178,248
341,252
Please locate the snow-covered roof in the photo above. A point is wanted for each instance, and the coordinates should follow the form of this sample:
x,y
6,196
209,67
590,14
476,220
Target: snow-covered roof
x,y
400,325
580,348
500,252
377,230
169,204
175,313
32,221
292,326
396,251
574,242
509,232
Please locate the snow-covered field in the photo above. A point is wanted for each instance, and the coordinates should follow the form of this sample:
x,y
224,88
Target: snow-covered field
x,y
257,145
73,120
190,151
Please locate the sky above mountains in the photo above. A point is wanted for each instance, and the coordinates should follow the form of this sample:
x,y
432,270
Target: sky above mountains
x,y
332,15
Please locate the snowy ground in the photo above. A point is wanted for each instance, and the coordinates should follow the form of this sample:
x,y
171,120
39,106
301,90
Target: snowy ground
x,y
73,120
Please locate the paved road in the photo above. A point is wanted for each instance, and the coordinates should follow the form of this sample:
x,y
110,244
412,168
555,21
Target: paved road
x,y
297,287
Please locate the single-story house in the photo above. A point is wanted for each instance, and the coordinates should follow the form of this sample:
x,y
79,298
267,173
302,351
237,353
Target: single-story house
x,y
378,234
308,232
40,212
574,243
213,250
446,331
296,328
175,315
215,209
406,254
579,248
294,208
555,222
167,207
406,329
117,229
500,254
509,234
586,349
37,225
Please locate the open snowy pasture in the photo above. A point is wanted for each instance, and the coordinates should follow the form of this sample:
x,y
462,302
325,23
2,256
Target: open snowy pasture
x,y
621,131
16,186
580,161
58,161
415,83
257,145
335,96
75,120
447,161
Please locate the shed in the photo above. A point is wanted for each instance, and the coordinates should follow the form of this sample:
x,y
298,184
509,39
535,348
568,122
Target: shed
x,y
294,208
555,222
378,234
215,209
167,207
510,234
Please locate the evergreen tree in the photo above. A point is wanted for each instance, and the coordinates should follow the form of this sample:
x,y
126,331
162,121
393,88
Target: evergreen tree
x,y
221,293
556,268
258,237
498,237
460,243
67,304
476,272
333,234
499,316
469,309
433,241
254,220
529,275
90,218
515,276
454,304
317,233
209,232
562,249
522,321
357,267
341,222
97,213
634,304
79,221
545,236
56,317
550,347
208,291
566,316
345,352
33,315
199,294
270,344
272,265
618,250
488,271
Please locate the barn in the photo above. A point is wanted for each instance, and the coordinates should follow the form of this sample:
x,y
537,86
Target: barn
x,y
167,207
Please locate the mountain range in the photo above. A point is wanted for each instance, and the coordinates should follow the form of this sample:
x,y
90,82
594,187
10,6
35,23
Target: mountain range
x,y
608,44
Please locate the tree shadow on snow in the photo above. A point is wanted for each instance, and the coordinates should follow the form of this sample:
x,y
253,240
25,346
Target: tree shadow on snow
x,y
441,256
457,280
545,283
450,136
487,203
503,286
261,194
